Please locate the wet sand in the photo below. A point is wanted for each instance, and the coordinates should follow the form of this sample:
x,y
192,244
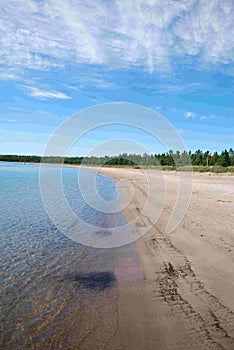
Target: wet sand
x,y
186,298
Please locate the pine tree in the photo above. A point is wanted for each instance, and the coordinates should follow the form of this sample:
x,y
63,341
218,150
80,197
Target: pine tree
x,y
225,158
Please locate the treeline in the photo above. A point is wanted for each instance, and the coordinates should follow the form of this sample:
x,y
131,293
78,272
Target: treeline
x,y
38,159
198,158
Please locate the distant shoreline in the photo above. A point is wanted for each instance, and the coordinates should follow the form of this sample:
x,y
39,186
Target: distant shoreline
x,y
211,170
171,160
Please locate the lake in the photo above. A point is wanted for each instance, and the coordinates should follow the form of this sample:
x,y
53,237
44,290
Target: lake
x,y
55,291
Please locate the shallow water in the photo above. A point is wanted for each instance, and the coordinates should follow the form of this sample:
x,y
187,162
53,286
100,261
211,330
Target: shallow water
x,y
54,291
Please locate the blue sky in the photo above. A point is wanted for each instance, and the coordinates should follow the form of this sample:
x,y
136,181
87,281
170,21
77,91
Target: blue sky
x,y
59,57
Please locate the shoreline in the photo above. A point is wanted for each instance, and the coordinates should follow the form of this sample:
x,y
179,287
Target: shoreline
x,y
186,296
166,170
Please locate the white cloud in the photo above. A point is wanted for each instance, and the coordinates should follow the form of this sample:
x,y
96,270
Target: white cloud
x,y
46,94
209,116
94,80
150,33
208,31
45,134
103,84
178,88
189,115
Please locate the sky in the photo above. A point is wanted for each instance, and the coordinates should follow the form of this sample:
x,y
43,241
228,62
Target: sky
x,y
59,57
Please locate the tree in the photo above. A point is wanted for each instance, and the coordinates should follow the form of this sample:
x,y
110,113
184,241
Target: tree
x,y
214,159
231,155
225,158
197,158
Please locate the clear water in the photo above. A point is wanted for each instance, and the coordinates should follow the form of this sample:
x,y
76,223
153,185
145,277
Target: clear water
x,y
54,291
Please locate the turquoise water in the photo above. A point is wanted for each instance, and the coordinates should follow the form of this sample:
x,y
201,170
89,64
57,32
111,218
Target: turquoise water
x,y
54,291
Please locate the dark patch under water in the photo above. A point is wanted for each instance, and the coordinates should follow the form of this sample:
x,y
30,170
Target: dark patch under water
x,y
94,280
104,233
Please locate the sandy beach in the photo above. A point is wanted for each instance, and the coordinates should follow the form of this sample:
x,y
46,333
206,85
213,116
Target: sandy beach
x,y
186,298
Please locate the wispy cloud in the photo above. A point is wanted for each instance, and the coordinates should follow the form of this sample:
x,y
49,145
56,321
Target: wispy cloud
x,y
179,87
119,34
94,79
209,116
47,94
189,115
103,84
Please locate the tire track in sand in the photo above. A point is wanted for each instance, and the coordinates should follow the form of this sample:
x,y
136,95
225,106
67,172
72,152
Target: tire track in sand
x,y
206,318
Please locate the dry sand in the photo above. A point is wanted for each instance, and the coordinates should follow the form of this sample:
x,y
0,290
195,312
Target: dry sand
x,y
186,300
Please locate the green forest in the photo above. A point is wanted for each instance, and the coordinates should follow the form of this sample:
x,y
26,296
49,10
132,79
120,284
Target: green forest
x,y
170,159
